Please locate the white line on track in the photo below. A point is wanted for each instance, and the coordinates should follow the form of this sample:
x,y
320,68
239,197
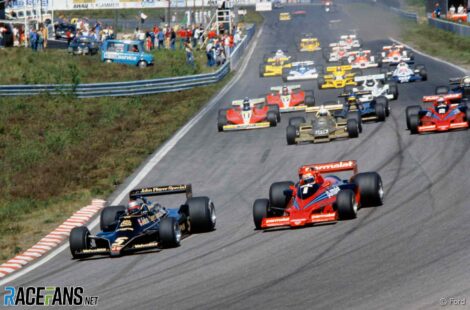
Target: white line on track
x,y
429,56
157,157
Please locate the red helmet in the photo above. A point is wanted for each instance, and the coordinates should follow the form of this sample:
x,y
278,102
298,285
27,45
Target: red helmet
x,y
309,175
133,206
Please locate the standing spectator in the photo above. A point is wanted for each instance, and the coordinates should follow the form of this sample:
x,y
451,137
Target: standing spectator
x,y
210,53
460,9
45,35
172,38
161,39
227,45
437,11
189,53
2,31
148,43
182,35
452,10
195,36
69,36
16,37
40,40
33,39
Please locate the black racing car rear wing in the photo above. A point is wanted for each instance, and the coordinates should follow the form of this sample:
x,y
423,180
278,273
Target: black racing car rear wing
x,y
162,190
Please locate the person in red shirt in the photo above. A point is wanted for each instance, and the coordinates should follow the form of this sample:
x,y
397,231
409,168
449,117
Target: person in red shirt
x,y
182,34
212,34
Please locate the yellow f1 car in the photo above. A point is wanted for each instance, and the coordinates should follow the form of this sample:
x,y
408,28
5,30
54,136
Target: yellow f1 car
x,y
284,16
273,68
309,44
338,77
276,56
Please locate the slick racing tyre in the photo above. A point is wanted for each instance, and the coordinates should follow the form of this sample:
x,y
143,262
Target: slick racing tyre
x,y
79,240
355,115
291,134
411,110
346,204
442,90
221,122
260,211
272,119
296,121
109,217
413,120
419,67
353,128
381,111
279,196
275,109
393,90
348,89
309,101
169,232
201,214
424,74
320,81
285,74
370,188
262,69
223,112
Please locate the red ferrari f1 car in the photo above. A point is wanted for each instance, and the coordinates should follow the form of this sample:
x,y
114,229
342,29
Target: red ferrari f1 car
x,y
447,112
248,114
290,98
317,198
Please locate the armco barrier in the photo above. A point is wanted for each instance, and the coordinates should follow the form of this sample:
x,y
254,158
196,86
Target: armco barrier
x,y
134,88
408,15
459,29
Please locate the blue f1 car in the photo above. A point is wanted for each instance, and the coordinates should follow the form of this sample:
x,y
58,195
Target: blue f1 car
x,y
147,225
357,106
459,85
403,73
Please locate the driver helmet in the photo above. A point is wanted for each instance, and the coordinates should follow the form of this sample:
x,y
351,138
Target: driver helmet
x,y
279,53
351,99
285,90
466,81
307,175
370,83
401,64
133,207
441,102
246,104
322,112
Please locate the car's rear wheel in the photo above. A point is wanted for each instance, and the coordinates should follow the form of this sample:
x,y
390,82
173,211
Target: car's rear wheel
x,y
296,121
393,89
346,204
370,188
262,69
272,119
108,61
275,109
424,74
291,134
309,101
109,217
201,214
79,240
260,211
169,232
353,128
279,196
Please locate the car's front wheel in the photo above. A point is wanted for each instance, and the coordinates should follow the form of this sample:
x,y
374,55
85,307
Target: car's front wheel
x,y
169,232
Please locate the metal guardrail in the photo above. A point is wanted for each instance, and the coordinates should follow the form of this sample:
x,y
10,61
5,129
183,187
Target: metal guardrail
x,y
408,15
459,29
134,88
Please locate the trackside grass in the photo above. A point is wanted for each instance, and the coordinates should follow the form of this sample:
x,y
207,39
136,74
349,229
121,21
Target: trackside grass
x,y
23,66
56,153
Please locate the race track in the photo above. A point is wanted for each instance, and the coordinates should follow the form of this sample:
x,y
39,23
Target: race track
x,y
406,254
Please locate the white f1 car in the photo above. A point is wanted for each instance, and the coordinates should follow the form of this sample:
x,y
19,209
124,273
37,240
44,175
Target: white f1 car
x,y
348,41
337,53
403,73
375,84
301,70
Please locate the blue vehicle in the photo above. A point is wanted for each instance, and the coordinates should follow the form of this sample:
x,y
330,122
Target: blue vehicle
x,y
357,105
144,224
126,52
403,73
84,45
460,85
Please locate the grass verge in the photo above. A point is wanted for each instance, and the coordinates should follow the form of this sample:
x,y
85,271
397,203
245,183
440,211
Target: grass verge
x,y
56,153
23,66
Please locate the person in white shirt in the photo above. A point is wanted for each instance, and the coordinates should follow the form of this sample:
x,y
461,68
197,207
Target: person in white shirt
x,y
460,9
452,10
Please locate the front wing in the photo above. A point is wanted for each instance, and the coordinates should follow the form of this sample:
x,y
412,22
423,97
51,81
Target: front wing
x,y
232,127
280,221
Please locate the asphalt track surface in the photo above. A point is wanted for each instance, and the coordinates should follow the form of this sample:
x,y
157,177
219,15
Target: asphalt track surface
x,y
407,254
